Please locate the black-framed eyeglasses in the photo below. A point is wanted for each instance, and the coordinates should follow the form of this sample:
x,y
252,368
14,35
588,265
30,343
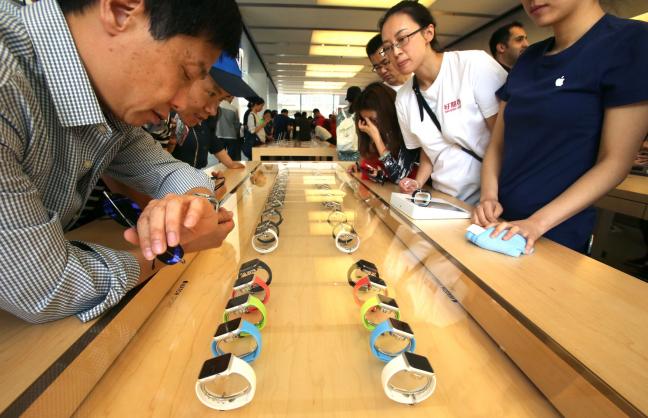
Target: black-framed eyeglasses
x,y
383,64
400,43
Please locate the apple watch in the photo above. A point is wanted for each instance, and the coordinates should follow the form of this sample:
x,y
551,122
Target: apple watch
x,y
378,308
421,197
346,238
266,237
251,285
336,217
408,378
244,305
226,382
272,215
391,338
368,285
252,267
360,269
237,337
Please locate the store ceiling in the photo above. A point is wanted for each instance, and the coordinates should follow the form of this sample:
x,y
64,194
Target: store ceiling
x,y
288,33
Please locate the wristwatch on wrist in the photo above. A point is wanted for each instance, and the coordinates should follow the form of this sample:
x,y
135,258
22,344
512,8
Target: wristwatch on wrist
x,y
214,202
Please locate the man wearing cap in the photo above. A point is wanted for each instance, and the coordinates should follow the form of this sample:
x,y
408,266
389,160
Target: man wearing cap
x,y
76,79
195,135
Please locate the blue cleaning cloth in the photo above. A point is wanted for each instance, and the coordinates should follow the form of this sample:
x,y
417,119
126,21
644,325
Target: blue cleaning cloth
x,y
513,247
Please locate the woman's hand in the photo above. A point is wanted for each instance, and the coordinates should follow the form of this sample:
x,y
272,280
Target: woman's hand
x,y
528,228
487,212
408,185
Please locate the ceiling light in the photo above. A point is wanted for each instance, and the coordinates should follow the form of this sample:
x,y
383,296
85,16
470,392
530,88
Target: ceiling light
x,y
338,51
329,74
321,85
382,4
339,37
335,68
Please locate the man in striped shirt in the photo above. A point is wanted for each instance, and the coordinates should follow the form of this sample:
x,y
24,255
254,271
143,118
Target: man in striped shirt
x,y
76,79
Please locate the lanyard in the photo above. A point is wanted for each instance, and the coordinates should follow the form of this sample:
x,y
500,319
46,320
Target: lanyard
x,y
423,104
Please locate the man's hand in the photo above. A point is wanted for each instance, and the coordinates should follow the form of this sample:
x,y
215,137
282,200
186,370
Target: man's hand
x,y
190,221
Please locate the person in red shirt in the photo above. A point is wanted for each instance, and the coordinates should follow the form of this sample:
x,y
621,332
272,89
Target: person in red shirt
x,y
318,119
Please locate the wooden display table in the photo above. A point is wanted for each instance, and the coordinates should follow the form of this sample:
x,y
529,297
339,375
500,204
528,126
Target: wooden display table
x,y
495,328
628,198
305,149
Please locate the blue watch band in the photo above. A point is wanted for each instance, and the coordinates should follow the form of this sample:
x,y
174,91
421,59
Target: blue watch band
x,y
383,328
247,330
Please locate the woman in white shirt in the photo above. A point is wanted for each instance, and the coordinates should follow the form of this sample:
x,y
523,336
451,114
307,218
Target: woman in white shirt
x,y
448,108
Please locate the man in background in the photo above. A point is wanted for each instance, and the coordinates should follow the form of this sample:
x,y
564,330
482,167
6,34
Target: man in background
x,y
508,43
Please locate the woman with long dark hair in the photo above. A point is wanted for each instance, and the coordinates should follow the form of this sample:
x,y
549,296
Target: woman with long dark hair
x,y
380,141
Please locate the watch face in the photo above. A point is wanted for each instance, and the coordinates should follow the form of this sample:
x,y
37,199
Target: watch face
x,y
227,327
237,301
388,302
368,267
249,266
377,281
243,281
401,326
418,362
214,366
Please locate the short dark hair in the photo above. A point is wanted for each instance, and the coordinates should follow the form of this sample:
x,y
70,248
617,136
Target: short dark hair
x,y
219,21
284,110
267,111
418,13
374,45
315,111
502,36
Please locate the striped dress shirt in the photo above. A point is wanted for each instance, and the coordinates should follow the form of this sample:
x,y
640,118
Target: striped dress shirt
x,y
55,143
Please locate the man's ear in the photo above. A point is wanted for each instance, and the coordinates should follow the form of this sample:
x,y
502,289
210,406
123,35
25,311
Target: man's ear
x,y
501,47
119,15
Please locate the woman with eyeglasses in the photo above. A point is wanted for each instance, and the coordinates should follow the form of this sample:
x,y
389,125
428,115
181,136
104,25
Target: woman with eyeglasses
x,y
380,142
448,108
574,112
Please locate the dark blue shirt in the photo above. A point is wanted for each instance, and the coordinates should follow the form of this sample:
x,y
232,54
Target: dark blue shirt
x,y
554,116
280,124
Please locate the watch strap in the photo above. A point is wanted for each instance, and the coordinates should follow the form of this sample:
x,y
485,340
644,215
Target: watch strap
x,y
240,368
263,285
383,328
247,330
394,366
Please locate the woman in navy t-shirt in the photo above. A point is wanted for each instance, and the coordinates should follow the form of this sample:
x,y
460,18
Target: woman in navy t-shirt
x,y
573,114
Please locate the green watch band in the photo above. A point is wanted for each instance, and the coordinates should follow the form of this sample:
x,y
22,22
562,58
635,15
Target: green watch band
x,y
255,302
369,304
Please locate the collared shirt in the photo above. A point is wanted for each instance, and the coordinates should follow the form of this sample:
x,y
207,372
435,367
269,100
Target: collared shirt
x,y
55,143
228,125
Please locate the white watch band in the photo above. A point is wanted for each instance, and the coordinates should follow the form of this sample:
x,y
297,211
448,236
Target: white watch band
x,y
211,400
347,250
397,364
270,249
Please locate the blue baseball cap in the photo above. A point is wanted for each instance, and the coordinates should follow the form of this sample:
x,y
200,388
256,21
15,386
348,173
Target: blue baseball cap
x,y
227,74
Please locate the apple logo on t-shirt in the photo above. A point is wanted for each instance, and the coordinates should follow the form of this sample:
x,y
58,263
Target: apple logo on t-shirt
x,y
560,81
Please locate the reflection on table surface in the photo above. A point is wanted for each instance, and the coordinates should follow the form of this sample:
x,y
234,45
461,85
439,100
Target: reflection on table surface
x,y
316,358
